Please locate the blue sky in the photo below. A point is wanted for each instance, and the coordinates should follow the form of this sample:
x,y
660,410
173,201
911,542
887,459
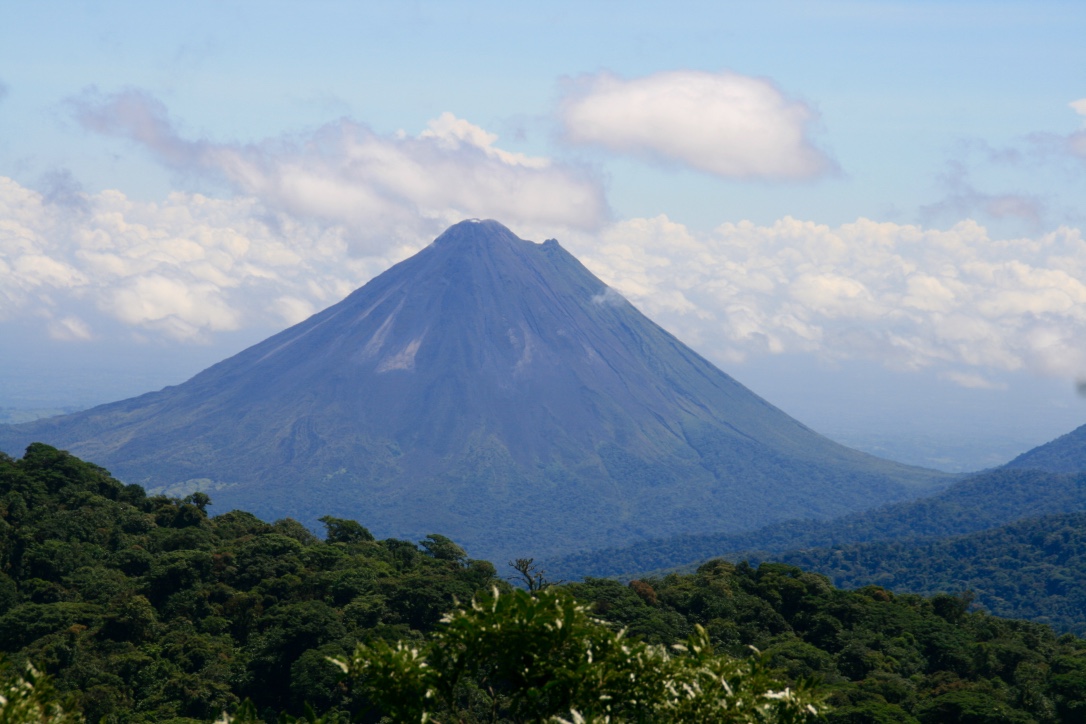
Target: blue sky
x,y
869,212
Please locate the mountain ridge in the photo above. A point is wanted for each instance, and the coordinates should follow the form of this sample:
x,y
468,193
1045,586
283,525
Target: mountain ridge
x,y
1065,454
976,503
1031,568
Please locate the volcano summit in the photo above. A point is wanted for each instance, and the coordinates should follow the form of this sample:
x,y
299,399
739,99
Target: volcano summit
x,y
490,389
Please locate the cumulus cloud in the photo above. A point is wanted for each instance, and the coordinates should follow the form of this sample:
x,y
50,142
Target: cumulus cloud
x,y
724,123
181,269
452,133
60,187
956,300
378,187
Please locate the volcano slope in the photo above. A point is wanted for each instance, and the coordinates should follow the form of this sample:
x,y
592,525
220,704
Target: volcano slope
x,y
490,389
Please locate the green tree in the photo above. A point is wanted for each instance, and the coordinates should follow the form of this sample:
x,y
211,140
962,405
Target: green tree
x,y
341,530
28,697
524,657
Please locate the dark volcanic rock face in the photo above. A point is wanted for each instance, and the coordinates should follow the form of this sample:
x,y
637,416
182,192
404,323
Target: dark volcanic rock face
x,y
490,389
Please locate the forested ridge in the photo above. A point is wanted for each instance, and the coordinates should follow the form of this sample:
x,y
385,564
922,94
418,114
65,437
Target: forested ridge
x,y
144,608
1065,454
978,502
1033,569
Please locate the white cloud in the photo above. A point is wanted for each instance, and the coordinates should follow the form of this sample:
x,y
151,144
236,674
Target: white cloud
x,y
907,296
722,123
69,329
152,299
972,380
957,300
293,309
455,132
609,298
380,188
181,269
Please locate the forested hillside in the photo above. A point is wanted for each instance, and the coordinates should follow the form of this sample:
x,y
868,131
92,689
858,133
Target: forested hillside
x,y
882,657
979,502
148,610
151,610
1065,454
1033,569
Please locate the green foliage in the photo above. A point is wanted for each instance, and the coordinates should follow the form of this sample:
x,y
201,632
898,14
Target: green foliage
x,y
146,609
1065,454
28,697
524,657
882,657
442,548
980,502
1033,569
345,531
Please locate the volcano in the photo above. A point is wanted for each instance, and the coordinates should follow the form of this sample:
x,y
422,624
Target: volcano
x,y
490,389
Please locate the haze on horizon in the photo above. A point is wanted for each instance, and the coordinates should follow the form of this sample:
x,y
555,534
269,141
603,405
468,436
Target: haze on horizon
x,y
871,213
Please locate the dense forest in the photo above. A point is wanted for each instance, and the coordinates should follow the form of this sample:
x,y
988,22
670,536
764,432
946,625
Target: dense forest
x,y
978,502
1065,454
152,610
1033,569
144,608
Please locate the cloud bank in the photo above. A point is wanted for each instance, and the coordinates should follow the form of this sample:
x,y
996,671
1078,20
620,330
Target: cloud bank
x,y
376,186
957,300
316,215
179,270
724,124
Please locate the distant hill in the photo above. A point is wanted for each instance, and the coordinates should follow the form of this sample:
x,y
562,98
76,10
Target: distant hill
x,y
1033,569
493,389
11,416
980,502
1065,454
